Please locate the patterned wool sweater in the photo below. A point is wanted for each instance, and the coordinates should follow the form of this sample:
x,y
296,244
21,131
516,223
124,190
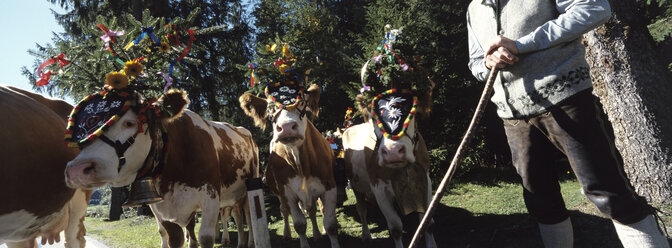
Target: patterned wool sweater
x,y
547,33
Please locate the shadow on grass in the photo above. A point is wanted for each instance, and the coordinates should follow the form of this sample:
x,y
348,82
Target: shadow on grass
x,y
456,227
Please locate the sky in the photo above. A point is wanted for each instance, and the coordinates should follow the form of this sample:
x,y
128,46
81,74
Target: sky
x,y
24,24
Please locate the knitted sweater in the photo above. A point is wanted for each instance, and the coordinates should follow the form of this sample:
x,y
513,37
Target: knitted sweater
x,y
548,34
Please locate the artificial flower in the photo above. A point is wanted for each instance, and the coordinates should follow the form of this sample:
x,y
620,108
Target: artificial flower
x,y
274,47
133,68
286,52
116,80
165,47
283,69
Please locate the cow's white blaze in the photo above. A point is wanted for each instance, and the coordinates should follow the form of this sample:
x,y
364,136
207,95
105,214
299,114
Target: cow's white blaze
x,y
404,143
104,159
289,134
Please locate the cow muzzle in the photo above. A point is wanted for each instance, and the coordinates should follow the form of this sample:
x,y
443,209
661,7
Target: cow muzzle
x,y
288,132
82,174
394,156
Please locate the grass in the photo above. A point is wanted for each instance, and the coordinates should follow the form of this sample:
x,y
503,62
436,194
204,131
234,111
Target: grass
x,y
487,210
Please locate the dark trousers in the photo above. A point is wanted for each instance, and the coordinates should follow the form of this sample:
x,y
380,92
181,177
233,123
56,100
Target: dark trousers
x,y
574,127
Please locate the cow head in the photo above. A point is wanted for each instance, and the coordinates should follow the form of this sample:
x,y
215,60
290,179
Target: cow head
x,y
116,143
288,107
393,115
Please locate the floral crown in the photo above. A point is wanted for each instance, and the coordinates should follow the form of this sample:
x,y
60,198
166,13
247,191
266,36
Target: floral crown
x,y
393,66
283,71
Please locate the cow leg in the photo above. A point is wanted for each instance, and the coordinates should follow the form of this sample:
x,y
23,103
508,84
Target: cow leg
x,y
248,218
299,220
172,233
313,221
225,213
385,200
429,231
284,210
362,212
329,200
206,233
237,214
74,233
191,234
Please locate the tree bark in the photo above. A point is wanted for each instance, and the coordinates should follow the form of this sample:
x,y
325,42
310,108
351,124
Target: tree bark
x,y
634,88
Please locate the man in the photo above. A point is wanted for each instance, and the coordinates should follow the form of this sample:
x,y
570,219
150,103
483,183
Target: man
x,y
543,94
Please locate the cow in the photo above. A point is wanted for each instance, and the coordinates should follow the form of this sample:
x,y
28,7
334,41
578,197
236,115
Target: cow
x,y
393,170
300,166
36,200
205,164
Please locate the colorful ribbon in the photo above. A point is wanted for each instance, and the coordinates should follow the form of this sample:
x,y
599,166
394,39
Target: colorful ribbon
x,y
191,40
44,77
146,31
252,76
109,36
169,81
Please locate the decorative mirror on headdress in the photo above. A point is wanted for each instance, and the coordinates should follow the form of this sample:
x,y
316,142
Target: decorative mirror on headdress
x,y
393,111
285,95
94,115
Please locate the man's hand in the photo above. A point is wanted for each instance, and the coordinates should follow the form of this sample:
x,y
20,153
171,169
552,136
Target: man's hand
x,y
501,53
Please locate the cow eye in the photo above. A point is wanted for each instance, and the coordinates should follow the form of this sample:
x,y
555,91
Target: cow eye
x,y
129,124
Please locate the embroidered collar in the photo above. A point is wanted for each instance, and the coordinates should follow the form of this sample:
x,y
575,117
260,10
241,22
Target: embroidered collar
x,y
94,115
390,108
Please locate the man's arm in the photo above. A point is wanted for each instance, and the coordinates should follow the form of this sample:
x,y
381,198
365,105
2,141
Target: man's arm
x,y
576,18
476,56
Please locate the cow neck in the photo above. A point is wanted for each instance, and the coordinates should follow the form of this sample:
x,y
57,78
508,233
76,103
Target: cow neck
x,y
311,158
154,162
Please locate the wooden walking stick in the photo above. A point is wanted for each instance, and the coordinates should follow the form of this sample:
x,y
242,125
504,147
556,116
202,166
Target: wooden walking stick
x,y
480,109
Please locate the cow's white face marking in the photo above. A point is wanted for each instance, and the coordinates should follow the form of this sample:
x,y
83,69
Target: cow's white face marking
x,y
289,127
98,164
397,153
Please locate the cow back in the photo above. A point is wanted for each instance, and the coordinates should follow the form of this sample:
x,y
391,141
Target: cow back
x,y
202,153
33,156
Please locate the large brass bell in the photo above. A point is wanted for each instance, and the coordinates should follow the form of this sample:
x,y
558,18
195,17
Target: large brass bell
x,y
142,191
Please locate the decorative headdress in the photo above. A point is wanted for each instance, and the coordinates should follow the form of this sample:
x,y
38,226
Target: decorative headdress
x,y
283,71
149,53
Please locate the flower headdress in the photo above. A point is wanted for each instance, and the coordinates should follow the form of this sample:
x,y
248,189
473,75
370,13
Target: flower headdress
x,y
283,71
152,49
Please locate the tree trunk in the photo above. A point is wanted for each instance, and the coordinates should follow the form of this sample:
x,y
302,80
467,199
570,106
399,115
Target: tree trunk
x,y
634,87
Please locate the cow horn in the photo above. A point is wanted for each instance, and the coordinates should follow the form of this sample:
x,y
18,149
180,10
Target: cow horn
x,y
142,191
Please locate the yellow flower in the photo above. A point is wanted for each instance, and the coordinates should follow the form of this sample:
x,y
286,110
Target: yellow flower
x,y
165,47
283,69
286,52
133,68
274,47
116,80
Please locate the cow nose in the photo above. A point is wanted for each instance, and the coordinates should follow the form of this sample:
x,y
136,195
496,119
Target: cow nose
x,y
288,129
395,153
79,173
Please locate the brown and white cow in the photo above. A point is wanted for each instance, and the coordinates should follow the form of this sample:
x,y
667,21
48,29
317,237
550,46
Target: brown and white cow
x,y
393,172
300,166
35,200
206,164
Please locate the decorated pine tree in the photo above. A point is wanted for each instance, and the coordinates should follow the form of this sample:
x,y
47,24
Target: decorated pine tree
x,y
151,52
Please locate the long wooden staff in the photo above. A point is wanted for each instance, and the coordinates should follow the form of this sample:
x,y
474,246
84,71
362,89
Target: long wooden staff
x,y
480,109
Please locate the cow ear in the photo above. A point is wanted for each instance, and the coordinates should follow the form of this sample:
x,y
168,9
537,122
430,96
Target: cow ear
x,y
171,104
312,99
363,107
254,107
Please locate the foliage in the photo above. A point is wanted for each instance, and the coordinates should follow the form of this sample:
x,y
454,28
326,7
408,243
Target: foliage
x,y
209,73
